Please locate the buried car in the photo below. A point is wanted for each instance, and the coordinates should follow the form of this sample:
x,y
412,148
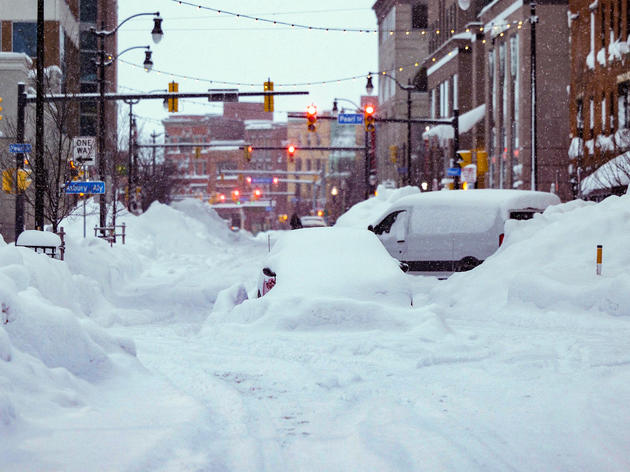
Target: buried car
x,y
439,233
334,262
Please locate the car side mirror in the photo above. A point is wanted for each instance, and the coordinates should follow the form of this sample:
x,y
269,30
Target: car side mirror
x,y
268,272
371,228
404,266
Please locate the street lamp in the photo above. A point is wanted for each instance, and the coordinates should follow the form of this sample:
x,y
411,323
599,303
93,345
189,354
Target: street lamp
x,y
157,35
369,88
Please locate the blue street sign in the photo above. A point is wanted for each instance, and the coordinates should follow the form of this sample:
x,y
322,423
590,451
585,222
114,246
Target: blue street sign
x,y
454,172
402,170
262,180
94,187
350,119
16,148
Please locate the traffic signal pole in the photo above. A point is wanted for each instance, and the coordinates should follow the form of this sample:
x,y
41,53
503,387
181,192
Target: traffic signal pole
x,y
24,99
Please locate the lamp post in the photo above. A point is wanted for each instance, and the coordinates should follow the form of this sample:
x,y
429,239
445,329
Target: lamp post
x,y
369,87
157,35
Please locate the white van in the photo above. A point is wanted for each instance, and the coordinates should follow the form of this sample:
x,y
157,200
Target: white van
x,y
451,231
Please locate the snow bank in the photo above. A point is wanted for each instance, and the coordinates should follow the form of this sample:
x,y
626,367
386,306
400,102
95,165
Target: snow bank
x,y
548,263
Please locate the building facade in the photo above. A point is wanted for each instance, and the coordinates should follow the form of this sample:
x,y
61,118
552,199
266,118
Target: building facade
x,y
402,46
239,183
599,98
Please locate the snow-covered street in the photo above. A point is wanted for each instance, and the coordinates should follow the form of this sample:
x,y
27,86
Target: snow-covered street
x,y
521,364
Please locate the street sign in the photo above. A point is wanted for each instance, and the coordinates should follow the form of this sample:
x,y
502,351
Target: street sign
x,y
350,119
84,149
454,172
262,180
16,148
402,170
94,187
469,174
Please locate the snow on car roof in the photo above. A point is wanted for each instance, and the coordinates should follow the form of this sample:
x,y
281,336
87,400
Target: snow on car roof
x,y
484,198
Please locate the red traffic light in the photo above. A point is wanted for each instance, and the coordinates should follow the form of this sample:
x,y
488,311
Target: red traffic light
x,y
236,194
249,179
291,150
257,193
311,117
222,198
368,116
275,180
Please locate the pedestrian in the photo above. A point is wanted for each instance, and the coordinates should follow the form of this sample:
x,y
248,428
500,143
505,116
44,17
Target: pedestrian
x,y
295,221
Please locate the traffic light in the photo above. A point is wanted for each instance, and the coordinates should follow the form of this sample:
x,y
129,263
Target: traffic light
x,y
73,170
311,117
275,180
393,154
173,104
368,115
236,195
268,87
0,108
257,194
291,152
221,198
247,153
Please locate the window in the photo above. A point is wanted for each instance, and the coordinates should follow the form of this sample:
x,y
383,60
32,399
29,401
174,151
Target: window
x,y
419,16
592,114
603,113
88,67
88,41
386,225
88,11
420,80
623,114
25,38
580,118
455,93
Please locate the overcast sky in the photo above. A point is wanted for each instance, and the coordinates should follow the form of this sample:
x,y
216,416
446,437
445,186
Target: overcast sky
x,y
208,46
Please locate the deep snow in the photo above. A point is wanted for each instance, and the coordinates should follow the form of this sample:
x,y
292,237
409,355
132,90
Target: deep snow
x,y
146,357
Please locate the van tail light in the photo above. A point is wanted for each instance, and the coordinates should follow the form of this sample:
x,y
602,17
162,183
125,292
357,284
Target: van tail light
x,y
501,236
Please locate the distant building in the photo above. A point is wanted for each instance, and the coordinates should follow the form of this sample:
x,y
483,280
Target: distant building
x,y
216,170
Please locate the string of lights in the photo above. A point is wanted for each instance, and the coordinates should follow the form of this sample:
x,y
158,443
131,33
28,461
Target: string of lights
x,y
275,22
425,32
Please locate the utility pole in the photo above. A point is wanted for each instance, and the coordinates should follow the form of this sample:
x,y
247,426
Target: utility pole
x,y
533,19
154,136
40,171
19,162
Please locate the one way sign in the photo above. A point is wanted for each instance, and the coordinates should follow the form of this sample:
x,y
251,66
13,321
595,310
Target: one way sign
x,y
84,149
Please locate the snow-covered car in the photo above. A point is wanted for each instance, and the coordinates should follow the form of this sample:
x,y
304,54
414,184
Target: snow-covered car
x,y
446,232
334,262
312,222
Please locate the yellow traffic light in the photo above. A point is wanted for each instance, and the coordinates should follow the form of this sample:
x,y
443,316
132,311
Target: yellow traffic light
x,y
8,180
173,103
393,153
0,108
268,87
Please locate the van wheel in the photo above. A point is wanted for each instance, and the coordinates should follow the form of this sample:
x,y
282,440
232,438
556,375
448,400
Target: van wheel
x,y
467,263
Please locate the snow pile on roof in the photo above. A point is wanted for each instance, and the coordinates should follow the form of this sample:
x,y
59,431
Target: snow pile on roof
x,y
466,122
365,213
613,173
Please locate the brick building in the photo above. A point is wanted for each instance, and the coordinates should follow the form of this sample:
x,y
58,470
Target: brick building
x,y
599,99
217,171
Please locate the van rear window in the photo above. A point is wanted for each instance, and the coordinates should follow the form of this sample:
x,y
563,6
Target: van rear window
x,y
523,214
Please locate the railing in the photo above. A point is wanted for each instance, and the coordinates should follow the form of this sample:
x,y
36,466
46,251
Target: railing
x,y
109,234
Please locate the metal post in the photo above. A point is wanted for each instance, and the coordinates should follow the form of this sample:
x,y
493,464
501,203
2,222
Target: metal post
x,y
409,134
455,143
101,127
533,21
40,171
19,162
367,167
